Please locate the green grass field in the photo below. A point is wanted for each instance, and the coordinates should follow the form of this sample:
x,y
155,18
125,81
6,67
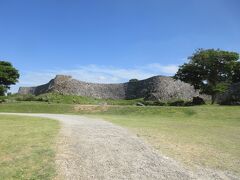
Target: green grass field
x,y
207,135
57,98
36,107
27,147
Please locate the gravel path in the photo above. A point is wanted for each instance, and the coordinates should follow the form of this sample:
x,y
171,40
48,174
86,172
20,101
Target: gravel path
x,y
95,149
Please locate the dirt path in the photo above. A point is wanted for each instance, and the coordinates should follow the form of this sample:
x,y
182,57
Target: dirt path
x,y
95,149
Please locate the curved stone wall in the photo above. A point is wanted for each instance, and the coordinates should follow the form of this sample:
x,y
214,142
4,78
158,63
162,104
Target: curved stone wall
x,y
154,88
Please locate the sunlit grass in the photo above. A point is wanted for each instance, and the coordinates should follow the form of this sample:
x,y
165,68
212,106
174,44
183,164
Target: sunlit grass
x,y
27,147
208,136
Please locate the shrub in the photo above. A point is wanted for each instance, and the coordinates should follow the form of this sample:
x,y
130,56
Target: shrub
x,y
159,103
189,103
198,101
23,97
2,99
153,103
177,103
133,80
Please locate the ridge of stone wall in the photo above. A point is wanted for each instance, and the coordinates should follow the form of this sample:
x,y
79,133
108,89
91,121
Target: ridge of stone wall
x,y
155,88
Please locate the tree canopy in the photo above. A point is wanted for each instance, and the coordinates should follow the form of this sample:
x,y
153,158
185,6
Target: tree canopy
x,y
236,72
210,70
8,76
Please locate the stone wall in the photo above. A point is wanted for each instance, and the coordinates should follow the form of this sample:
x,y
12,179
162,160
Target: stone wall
x,y
231,96
155,88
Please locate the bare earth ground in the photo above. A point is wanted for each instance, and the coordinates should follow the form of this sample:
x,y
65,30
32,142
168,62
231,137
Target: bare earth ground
x,y
95,149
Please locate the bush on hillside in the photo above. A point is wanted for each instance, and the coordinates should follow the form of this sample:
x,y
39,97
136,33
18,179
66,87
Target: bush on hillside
x,y
2,99
177,103
27,97
133,80
154,103
198,101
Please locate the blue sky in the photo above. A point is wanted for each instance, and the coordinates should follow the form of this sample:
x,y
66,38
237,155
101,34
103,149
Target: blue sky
x,y
111,41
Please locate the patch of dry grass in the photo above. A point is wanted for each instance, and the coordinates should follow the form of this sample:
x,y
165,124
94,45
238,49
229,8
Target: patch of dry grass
x,y
91,108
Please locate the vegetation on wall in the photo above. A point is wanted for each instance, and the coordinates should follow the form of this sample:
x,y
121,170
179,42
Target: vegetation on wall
x,y
57,98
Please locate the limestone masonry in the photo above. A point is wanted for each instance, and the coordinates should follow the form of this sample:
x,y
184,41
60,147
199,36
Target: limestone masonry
x,y
231,96
155,88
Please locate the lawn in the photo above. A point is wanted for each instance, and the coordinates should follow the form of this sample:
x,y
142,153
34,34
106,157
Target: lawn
x,y
207,136
36,107
68,99
27,147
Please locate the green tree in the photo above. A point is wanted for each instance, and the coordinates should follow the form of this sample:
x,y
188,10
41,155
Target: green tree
x,y
210,70
8,76
236,72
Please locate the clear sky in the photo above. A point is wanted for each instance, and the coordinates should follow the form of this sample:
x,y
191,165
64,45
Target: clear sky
x,y
111,40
